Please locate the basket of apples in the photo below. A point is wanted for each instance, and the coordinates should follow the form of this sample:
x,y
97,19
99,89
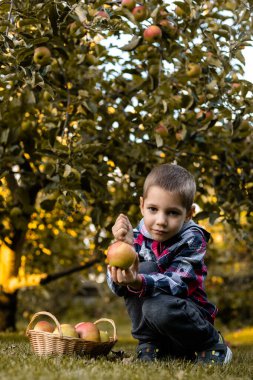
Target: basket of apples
x,y
85,338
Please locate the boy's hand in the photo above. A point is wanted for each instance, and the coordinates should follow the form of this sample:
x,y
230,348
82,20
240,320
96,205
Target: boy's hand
x,y
127,277
123,230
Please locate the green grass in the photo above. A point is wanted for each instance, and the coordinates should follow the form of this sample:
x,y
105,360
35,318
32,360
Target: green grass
x,y
18,362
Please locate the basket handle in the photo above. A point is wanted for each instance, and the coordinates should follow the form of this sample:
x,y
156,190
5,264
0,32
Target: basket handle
x,y
111,322
49,315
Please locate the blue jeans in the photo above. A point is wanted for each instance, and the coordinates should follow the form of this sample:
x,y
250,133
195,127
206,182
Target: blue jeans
x,y
176,325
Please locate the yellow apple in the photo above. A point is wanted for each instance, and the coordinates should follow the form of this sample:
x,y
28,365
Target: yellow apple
x,y
42,55
193,70
67,330
121,255
104,336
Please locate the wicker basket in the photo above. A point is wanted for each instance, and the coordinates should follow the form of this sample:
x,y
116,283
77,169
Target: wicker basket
x,y
44,343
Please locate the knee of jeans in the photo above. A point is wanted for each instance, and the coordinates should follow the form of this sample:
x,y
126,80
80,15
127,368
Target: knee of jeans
x,y
147,267
149,310
162,310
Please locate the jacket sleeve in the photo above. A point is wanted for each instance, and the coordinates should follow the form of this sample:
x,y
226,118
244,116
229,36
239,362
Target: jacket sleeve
x,y
184,274
116,289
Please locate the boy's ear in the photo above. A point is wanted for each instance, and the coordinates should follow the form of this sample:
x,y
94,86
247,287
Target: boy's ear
x,y
190,213
141,204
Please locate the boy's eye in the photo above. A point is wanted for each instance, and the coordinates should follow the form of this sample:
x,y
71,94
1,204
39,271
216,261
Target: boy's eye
x,y
152,209
174,213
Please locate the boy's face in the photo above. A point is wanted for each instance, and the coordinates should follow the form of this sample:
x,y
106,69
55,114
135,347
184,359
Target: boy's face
x,y
163,213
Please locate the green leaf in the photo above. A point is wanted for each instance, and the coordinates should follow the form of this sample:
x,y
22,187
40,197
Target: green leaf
x,y
135,41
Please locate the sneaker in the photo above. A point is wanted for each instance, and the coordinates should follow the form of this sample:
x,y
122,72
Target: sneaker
x,y
147,352
220,353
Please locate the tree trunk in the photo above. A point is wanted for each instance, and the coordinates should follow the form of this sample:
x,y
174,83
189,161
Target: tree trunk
x,y
8,309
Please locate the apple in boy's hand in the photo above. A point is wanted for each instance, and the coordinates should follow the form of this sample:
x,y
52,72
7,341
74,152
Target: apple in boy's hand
x,y
67,330
88,331
44,326
104,336
121,255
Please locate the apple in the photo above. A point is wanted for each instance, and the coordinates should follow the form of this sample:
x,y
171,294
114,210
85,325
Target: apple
x,y
140,13
169,27
121,255
42,55
88,331
102,14
152,33
154,69
204,116
91,59
16,211
104,336
129,4
179,11
161,130
67,330
193,70
44,326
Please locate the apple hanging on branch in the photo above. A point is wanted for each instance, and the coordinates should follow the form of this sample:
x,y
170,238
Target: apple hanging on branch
x,y
121,255
152,34
140,13
129,4
193,70
42,55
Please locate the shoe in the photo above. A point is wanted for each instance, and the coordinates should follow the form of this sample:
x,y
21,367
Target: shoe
x,y
147,352
220,353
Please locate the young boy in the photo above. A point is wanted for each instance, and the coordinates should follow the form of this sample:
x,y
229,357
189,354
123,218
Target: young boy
x,y
164,289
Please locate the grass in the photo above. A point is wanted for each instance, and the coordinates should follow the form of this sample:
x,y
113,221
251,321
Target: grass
x,y
19,363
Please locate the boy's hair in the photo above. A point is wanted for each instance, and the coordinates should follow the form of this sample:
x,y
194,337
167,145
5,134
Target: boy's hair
x,y
173,178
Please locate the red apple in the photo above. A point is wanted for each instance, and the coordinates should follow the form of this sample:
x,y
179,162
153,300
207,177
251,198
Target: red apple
x,y
204,116
152,33
140,13
88,331
42,55
161,130
168,26
129,4
102,14
121,255
44,326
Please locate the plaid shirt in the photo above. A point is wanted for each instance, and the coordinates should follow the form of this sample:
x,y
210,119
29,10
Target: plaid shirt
x,y
181,265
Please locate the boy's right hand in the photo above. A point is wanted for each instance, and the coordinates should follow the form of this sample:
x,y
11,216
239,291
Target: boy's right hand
x,y
123,230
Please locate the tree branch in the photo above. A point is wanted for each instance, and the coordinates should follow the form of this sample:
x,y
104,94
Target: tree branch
x,y
55,276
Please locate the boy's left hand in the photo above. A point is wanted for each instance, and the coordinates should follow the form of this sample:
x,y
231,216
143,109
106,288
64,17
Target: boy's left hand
x,y
127,277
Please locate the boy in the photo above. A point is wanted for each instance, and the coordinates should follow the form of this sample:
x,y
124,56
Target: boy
x,y
164,289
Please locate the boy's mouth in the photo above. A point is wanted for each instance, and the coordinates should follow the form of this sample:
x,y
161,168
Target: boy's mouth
x,y
159,232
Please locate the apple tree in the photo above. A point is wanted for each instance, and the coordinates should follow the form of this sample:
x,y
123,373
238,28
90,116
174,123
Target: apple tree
x,y
93,94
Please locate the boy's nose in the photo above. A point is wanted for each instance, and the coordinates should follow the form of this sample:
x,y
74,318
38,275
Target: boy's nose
x,y
161,219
